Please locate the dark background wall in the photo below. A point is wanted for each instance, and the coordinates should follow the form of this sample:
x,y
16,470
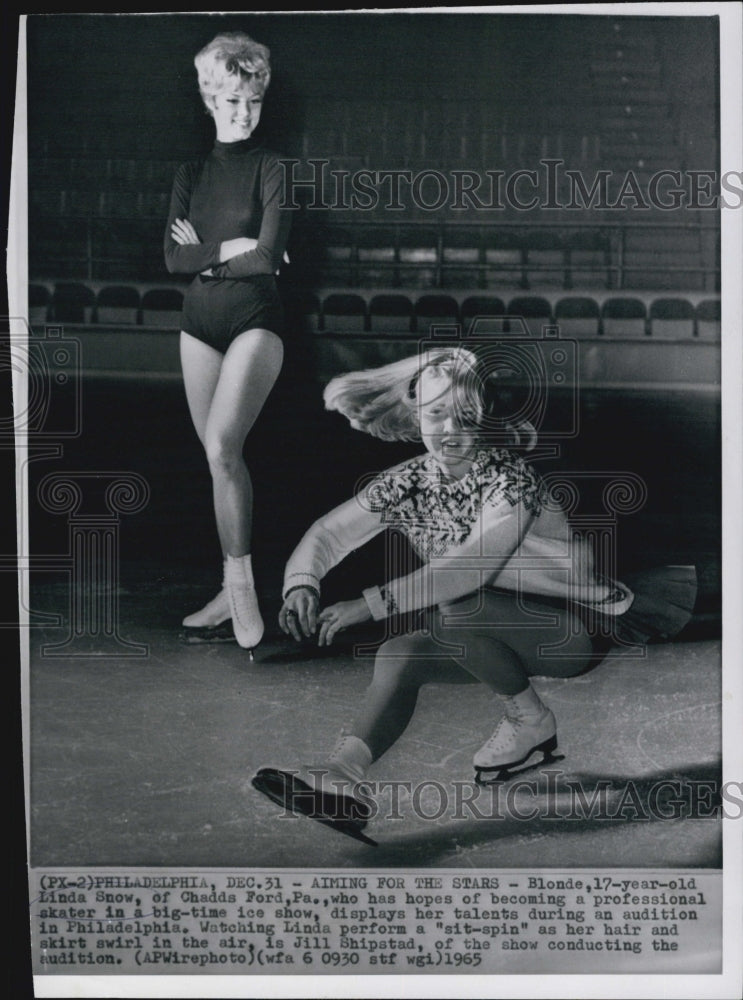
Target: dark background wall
x,y
97,82
114,107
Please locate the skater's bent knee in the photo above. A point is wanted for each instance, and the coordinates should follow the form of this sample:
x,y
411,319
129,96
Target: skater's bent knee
x,y
401,660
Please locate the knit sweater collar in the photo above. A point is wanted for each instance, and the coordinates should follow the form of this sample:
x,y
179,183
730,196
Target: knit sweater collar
x,y
482,458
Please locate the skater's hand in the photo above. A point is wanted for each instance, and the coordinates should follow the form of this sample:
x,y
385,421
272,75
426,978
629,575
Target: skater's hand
x,y
240,245
298,615
339,616
184,233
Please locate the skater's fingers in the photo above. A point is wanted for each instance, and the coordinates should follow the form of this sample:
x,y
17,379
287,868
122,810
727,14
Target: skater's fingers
x,y
306,607
291,620
184,233
192,234
189,230
179,235
288,622
326,636
300,607
312,616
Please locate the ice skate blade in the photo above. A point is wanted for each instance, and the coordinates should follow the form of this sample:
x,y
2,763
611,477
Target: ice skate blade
x,y
201,634
536,758
297,796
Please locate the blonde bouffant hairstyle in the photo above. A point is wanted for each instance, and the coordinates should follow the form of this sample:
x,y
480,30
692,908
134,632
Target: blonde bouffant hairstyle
x,y
384,401
232,57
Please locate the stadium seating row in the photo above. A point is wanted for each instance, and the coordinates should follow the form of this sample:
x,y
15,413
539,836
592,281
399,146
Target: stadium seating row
x,y
340,311
414,254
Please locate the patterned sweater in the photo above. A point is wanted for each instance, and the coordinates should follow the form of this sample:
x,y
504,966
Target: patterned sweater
x,y
497,526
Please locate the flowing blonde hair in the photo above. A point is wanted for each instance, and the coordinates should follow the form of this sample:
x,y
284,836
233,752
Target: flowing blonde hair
x,y
383,401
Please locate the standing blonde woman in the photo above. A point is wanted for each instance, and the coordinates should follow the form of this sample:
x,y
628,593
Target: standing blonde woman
x,y
226,227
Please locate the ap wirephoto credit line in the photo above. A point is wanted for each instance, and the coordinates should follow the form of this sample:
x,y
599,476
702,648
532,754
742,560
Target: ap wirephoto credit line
x,y
376,421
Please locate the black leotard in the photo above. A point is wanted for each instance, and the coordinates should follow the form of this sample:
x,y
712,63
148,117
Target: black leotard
x,y
236,191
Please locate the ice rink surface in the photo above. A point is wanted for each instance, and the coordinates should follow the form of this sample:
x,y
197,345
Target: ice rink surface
x,y
147,760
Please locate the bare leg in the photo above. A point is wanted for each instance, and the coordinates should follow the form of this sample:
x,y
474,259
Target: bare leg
x,y
225,394
249,371
201,365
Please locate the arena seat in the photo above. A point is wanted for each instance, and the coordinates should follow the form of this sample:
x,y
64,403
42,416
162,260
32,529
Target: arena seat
x,y
623,317
708,319
578,316
504,260
39,300
345,313
377,256
391,313
545,258
72,302
162,307
460,259
117,304
339,258
418,255
535,310
588,261
671,318
435,310
664,267
486,310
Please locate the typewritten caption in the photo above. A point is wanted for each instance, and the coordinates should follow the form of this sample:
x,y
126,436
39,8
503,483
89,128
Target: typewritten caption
x,y
319,923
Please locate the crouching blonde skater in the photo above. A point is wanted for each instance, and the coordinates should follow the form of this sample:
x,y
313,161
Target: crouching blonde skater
x,y
493,584
227,229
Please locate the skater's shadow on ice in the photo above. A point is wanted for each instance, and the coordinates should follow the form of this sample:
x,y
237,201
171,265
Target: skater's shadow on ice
x,y
554,804
350,651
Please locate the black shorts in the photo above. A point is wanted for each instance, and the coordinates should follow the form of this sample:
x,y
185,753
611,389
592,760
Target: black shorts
x,y
217,310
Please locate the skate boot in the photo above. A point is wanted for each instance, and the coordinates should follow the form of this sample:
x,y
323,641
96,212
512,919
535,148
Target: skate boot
x,y
325,792
213,623
525,737
247,622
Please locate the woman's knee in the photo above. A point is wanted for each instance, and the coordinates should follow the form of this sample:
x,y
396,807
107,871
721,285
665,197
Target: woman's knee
x,y
402,661
223,453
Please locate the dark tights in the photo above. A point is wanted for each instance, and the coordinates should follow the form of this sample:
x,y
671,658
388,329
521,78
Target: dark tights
x,y
491,637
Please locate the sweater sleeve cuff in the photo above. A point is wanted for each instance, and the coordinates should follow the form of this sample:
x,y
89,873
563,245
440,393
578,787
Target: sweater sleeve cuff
x,y
376,603
300,580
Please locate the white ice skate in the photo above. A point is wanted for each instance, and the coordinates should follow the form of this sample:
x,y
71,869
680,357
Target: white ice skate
x,y
325,792
244,611
520,742
212,623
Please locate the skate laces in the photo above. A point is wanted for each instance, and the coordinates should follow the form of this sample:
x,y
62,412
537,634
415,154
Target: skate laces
x,y
497,734
242,599
336,751
347,760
